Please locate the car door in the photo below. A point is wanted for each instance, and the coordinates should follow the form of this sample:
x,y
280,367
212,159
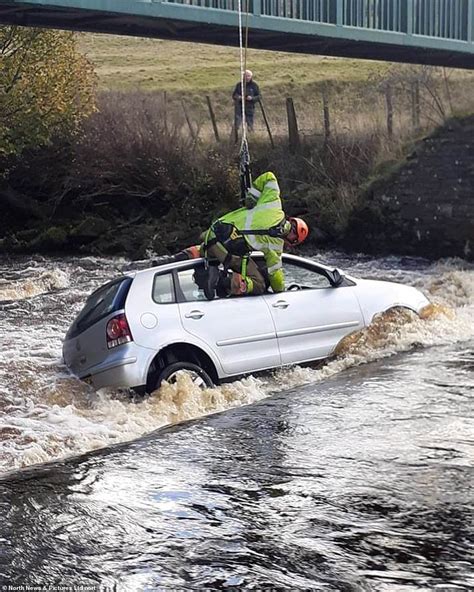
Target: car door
x,y
239,330
310,321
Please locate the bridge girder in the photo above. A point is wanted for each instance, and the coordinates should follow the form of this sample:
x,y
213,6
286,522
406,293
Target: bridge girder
x,y
189,23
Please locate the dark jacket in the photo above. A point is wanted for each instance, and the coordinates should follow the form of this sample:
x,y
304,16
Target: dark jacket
x,y
252,90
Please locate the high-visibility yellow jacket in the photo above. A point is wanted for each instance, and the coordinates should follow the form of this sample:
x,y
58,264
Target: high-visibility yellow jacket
x,y
266,213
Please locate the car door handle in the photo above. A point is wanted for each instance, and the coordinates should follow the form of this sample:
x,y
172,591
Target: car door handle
x,y
194,314
281,304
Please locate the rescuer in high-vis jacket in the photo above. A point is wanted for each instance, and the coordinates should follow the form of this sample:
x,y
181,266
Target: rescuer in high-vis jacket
x,y
259,226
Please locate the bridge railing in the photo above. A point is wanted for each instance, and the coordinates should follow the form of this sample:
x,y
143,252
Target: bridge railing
x,y
318,11
447,19
444,19
383,15
232,5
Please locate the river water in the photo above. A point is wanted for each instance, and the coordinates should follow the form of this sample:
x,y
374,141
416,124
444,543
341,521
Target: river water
x,y
353,475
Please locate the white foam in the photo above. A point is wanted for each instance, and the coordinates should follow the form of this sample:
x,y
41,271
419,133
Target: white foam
x,y
45,414
41,284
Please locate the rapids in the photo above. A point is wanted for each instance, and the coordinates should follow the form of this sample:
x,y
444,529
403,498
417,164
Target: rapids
x,y
46,414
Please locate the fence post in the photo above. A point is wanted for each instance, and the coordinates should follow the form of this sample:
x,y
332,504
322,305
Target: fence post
x,y
415,104
389,103
266,123
293,134
193,133
165,111
327,122
213,118
257,7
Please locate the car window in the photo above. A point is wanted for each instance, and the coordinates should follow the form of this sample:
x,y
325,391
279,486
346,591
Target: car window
x,y
163,292
189,289
294,274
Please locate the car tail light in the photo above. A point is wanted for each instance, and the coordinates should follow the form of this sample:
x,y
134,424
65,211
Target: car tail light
x,y
118,331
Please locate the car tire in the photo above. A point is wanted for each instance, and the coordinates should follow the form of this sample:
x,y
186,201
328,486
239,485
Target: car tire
x,y
199,376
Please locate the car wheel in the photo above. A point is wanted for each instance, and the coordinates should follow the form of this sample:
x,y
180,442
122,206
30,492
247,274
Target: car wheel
x,y
199,376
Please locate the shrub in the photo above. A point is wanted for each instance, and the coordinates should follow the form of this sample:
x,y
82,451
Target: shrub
x,y
129,150
46,87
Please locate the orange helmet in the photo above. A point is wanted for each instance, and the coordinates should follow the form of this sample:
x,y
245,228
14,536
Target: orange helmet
x,y
299,231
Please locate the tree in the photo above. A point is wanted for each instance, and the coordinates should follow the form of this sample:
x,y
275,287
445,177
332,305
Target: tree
x,y
46,87
429,89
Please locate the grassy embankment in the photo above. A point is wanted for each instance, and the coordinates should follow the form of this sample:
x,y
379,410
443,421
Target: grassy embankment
x,y
192,71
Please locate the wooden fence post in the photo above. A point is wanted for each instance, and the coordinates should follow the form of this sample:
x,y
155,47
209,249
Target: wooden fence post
x,y
327,121
213,119
389,104
293,134
193,133
165,111
234,133
415,104
266,123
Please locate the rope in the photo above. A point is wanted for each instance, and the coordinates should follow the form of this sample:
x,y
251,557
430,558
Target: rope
x,y
245,175
245,52
243,60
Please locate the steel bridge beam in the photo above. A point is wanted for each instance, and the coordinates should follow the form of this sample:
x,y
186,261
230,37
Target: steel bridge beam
x,y
437,32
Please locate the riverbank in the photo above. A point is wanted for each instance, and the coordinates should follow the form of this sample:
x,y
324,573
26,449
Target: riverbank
x,y
132,186
424,204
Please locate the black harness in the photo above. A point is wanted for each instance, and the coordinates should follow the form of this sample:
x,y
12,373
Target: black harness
x,y
226,232
274,231
233,239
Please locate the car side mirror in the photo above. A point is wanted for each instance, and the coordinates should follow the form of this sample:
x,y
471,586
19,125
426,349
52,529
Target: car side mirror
x,y
336,278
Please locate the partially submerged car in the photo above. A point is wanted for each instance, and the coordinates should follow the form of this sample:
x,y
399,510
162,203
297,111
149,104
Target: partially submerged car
x,y
146,327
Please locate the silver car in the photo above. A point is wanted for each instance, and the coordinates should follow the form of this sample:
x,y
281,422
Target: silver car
x,y
146,327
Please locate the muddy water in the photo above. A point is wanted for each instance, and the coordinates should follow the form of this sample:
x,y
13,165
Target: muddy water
x,y
355,475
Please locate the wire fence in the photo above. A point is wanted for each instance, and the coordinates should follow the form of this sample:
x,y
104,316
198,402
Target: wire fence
x,y
390,109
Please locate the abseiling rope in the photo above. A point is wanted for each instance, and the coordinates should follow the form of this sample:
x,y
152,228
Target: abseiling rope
x,y
244,165
242,78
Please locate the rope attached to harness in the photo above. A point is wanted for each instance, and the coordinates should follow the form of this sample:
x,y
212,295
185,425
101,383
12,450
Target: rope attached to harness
x,y
245,173
244,157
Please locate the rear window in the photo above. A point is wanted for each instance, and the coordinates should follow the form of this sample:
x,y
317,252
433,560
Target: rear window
x,y
101,303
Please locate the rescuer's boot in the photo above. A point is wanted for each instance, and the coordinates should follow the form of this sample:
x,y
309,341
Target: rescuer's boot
x,y
223,289
211,282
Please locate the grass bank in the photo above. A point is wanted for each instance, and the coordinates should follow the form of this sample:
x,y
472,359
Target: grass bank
x,y
180,70
133,63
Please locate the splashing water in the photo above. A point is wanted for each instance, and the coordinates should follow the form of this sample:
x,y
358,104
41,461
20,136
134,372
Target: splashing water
x,y
46,414
45,282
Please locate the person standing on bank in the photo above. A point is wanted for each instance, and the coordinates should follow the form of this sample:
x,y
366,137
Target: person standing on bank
x,y
251,93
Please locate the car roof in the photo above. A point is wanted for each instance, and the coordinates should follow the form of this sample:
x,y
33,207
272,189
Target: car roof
x,y
167,266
